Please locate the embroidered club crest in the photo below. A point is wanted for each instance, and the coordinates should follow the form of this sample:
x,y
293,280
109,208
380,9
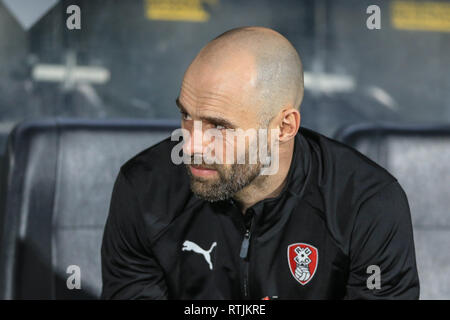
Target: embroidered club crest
x,y
303,259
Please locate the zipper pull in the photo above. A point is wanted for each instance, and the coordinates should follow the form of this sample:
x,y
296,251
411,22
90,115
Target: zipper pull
x,y
245,244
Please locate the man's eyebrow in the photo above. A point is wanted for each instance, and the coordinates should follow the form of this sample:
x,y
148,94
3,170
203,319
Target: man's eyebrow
x,y
214,120
220,122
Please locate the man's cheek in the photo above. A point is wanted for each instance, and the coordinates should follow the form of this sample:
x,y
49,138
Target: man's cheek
x,y
229,150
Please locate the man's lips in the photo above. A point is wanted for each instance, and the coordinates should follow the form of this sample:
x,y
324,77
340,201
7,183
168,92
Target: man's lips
x,y
202,171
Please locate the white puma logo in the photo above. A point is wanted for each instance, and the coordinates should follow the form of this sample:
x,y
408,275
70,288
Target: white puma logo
x,y
191,246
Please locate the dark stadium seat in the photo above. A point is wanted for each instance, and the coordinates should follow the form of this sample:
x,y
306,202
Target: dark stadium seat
x,y
55,191
419,157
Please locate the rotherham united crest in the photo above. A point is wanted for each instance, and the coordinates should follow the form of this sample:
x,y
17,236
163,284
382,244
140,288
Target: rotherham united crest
x,y
303,259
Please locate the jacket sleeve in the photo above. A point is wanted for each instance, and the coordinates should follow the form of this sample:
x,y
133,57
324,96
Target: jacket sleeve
x,y
129,269
382,254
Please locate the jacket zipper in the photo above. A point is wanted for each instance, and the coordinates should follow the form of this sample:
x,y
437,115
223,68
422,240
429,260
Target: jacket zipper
x,y
245,246
244,256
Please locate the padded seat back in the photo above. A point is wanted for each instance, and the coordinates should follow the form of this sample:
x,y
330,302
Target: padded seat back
x,y
56,189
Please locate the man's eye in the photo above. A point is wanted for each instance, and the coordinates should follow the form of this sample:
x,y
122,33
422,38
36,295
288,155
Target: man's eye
x,y
185,116
219,127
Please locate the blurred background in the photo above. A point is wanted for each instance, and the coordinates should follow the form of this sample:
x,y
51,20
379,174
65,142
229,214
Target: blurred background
x,y
127,61
135,52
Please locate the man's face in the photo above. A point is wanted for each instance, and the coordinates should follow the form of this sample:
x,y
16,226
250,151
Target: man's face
x,y
219,98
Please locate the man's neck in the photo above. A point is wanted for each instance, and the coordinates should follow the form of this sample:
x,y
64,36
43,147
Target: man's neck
x,y
267,186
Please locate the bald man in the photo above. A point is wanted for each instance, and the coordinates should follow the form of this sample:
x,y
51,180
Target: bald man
x,y
242,203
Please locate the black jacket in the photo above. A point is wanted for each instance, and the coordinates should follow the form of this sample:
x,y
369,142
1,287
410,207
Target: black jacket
x,y
339,217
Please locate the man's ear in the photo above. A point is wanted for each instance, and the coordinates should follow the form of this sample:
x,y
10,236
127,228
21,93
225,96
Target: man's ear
x,y
289,124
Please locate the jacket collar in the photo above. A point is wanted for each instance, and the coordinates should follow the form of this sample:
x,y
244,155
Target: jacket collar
x,y
296,178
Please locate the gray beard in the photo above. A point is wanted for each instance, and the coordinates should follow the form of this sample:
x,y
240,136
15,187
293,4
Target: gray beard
x,y
227,185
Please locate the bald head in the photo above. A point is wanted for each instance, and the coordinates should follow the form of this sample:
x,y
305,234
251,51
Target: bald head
x,y
266,65
241,80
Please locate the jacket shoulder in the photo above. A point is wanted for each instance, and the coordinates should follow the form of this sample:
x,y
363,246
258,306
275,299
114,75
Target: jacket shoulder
x,y
156,157
162,188
345,179
343,167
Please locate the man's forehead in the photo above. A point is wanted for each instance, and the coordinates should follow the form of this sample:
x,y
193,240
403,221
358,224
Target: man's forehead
x,y
220,82
221,85
227,91
225,112
209,106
